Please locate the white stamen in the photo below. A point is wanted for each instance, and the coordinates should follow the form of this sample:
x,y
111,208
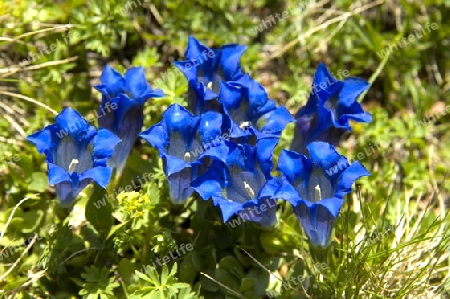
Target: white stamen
x,y
318,194
187,157
249,190
73,164
245,124
209,85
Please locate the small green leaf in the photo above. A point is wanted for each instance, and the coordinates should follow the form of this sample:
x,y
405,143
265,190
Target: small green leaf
x,y
153,193
227,279
247,284
164,274
115,228
180,285
230,264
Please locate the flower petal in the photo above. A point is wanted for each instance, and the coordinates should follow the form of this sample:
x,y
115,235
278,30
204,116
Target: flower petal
x,y
351,90
287,192
275,121
100,175
293,165
228,208
104,144
349,176
72,123
128,120
194,48
43,140
157,136
189,70
325,155
230,61
324,85
174,164
178,119
137,86
57,174
317,222
211,126
180,185
66,193
265,147
112,82
211,183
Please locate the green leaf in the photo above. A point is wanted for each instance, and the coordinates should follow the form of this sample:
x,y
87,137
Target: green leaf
x,y
230,264
126,270
39,182
154,276
98,283
180,285
164,274
153,193
247,284
188,273
144,277
27,222
227,279
116,228
99,210
91,236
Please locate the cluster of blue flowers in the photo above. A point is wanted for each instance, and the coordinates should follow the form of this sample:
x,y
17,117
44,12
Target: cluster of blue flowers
x,y
221,146
77,153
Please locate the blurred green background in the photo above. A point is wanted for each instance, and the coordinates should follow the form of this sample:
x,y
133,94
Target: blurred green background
x,y
53,52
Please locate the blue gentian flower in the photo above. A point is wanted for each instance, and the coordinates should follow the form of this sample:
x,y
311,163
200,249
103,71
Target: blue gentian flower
x,y
76,153
331,104
121,110
183,142
205,68
316,186
250,110
240,187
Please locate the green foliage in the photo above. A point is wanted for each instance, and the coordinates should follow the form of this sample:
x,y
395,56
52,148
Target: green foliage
x,y
97,283
392,236
153,285
101,218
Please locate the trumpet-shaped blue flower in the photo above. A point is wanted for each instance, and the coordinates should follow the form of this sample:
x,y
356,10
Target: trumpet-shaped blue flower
x,y
316,186
240,186
76,153
183,142
206,68
250,110
121,110
331,104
